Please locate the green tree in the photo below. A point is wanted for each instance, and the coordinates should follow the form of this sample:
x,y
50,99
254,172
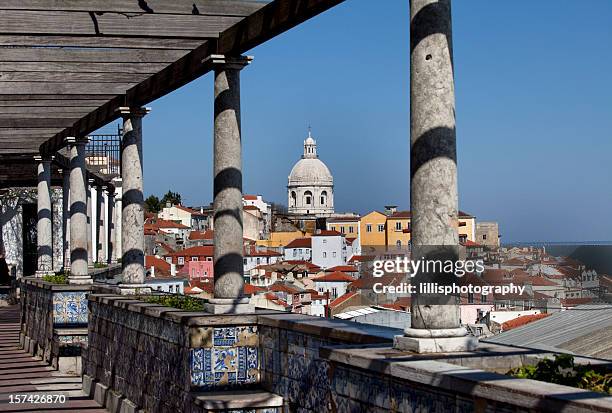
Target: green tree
x,y
152,204
174,198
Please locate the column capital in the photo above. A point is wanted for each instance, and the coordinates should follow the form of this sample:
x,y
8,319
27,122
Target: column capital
x,y
76,140
221,61
127,111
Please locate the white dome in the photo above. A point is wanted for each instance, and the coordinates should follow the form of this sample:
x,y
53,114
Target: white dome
x,y
310,171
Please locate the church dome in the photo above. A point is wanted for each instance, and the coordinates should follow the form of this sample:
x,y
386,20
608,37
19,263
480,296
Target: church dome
x,y
310,171
310,190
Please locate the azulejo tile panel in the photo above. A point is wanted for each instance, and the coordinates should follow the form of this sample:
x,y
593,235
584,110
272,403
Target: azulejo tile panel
x,y
66,339
232,359
70,307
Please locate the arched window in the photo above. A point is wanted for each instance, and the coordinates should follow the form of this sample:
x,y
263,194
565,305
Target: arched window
x,y
324,198
398,243
293,198
308,198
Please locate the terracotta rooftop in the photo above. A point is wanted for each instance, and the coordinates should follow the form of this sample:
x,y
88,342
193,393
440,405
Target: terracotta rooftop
x,y
335,277
521,321
300,243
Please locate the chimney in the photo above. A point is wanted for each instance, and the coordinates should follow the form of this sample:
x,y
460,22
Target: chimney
x,y
173,270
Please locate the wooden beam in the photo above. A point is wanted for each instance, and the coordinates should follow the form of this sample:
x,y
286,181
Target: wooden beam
x,y
51,110
12,122
100,42
87,56
186,7
268,22
68,88
91,67
113,24
22,98
29,132
76,77
43,104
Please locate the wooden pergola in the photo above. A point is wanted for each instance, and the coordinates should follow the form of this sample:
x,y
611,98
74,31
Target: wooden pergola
x,y
67,66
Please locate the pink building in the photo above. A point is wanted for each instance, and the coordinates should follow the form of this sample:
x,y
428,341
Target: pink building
x,y
196,270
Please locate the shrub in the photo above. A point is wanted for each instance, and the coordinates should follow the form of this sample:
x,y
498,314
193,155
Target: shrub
x,y
56,278
177,301
562,370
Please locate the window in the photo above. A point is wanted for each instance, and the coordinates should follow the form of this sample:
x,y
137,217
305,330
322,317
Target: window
x,y
334,292
369,228
484,236
398,226
258,260
470,298
307,197
181,260
324,241
398,243
342,230
294,252
332,228
381,227
244,261
334,254
293,198
324,254
208,258
351,229
194,258
324,198
483,298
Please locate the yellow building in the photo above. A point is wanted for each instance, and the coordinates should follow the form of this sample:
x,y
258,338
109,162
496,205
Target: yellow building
x,y
467,227
281,238
372,229
398,229
349,226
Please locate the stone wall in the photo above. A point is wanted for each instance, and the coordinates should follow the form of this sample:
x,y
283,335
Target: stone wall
x,y
162,359
333,366
159,358
54,322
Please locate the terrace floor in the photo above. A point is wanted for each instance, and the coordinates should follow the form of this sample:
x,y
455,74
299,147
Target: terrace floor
x,y
22,374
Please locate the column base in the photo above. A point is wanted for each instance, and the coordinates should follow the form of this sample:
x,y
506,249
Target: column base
x,y
80,280
449,340
132,289
42,273
229,306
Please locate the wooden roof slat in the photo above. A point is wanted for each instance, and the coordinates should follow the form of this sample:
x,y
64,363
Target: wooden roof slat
x,y
68,88
7,133
113,24
101,42
12,122
203,7
44,104
53,54
45,110
20,98
132,67
112,77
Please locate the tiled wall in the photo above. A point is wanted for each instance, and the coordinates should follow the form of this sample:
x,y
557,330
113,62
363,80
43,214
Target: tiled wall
x,y
230,357
70,308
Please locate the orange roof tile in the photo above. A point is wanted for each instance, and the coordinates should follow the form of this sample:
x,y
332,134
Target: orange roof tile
x,y
522,320
336,276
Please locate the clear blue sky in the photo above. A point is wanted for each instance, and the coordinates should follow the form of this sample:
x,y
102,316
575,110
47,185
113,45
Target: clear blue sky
x,y
534,114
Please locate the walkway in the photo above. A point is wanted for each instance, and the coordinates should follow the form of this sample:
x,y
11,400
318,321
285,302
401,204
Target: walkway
x,y
22,375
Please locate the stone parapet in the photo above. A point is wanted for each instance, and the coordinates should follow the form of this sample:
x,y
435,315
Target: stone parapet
x,y
54,322
163,359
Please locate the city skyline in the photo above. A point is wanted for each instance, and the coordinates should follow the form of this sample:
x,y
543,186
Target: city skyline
x,y
528,91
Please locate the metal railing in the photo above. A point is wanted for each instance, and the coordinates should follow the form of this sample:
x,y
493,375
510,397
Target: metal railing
x,y
103,153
